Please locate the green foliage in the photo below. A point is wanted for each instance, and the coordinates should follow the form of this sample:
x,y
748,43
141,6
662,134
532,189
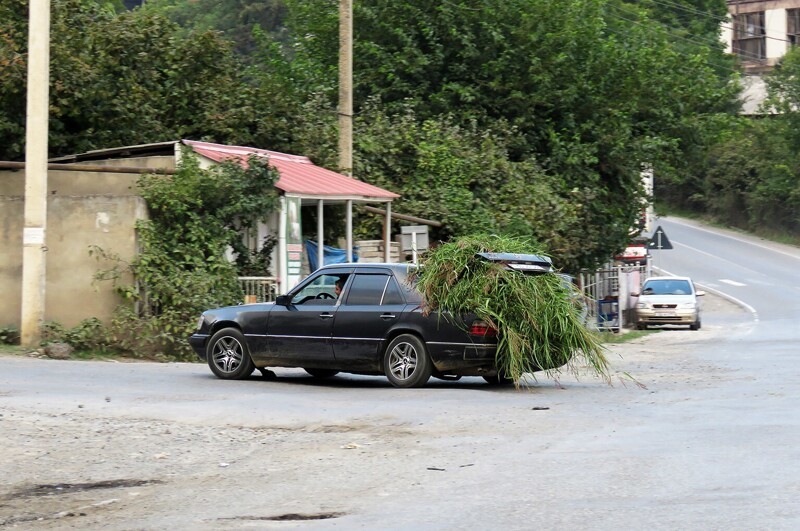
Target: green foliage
x,y
752,177
89,334
464,176
528,117
9,335
234,18
564,101
182,267
537,318
120,79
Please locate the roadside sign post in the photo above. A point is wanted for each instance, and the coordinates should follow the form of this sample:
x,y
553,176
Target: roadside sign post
x,y
659,240
414,238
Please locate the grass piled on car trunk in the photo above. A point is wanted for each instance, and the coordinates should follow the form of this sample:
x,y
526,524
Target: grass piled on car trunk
x,y
538,317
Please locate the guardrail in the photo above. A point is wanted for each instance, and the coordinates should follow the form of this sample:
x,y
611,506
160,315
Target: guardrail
x,y
258,289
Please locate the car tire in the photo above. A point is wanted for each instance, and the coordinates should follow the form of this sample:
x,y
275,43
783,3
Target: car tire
x,y
228,356
321,373
695,325
406,362
641,326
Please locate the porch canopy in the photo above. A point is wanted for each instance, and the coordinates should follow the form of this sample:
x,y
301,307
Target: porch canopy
x,y
310,184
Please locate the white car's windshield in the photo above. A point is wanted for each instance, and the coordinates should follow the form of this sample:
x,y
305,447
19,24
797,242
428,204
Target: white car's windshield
x,y
667,287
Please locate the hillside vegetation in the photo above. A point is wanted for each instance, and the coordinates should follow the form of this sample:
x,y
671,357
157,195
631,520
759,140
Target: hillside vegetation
x,y
521,117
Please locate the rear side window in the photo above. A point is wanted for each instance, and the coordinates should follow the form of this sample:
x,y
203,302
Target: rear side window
x,y
408,285
392,294
367,290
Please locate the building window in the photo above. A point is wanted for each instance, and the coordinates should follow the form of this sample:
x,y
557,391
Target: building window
x,y
793,26
749,36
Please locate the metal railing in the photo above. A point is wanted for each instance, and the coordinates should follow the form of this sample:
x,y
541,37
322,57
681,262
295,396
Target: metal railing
x,y
609,289
258,289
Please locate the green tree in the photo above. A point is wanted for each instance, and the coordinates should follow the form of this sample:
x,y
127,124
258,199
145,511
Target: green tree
x,y
235,19
121,79
593,95
182,268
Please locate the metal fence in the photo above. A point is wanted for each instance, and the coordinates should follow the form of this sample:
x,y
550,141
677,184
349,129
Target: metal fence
x,y
258,289
608,290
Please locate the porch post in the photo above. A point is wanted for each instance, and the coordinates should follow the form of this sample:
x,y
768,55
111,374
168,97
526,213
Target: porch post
x,y
387,236
283,268
320,225
349,218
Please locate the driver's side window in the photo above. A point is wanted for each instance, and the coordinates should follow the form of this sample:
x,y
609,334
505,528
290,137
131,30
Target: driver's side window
x,y
321,291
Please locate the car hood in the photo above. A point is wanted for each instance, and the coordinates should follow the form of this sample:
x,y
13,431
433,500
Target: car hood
x,y
666,299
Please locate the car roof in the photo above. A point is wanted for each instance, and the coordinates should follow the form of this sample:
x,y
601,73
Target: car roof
x,y
668,278
402,267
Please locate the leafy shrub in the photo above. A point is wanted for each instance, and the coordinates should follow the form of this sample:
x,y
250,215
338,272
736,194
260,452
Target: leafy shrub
x,y
9,335
182,269
89,334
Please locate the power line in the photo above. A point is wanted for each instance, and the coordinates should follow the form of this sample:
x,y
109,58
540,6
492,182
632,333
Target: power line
x,y
722,21
639,23
673,32
690,10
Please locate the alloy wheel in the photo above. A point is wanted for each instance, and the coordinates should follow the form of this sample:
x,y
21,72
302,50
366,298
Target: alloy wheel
x,y
403,361
228,354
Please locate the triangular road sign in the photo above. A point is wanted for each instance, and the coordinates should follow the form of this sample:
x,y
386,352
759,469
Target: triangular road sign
x,y
659,240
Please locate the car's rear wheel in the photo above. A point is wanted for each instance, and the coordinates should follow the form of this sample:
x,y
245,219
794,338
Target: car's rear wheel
x,y
321,373
228,356
406,362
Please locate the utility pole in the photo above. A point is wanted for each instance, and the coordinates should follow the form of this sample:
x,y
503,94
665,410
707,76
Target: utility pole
x,y
346,87
33,235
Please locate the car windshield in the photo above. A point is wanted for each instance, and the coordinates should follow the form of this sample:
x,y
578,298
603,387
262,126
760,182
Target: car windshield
x,y
667,287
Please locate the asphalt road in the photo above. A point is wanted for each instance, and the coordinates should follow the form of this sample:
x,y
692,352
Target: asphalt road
x,y
708,441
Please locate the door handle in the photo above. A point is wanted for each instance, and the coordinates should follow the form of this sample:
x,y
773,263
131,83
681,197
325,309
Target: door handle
x,y
325,315
387,316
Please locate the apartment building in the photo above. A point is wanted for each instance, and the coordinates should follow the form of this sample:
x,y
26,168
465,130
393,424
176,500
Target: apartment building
x,y
760,32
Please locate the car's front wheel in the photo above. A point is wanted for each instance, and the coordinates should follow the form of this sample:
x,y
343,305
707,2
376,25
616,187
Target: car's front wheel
x,y
228,356
406,362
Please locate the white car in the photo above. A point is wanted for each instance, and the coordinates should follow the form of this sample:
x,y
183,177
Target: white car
x,y
668,301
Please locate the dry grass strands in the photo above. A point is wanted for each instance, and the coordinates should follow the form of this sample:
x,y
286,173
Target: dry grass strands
x,y
538,317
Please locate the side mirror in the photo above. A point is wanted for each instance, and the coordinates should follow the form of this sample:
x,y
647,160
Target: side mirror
x,y
635,294
700,293
283,300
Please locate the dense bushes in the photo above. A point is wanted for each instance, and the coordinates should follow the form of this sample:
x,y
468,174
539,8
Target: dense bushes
x,y
751,178
182,268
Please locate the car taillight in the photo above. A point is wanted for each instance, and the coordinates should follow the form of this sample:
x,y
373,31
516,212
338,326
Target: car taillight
x,y
480,328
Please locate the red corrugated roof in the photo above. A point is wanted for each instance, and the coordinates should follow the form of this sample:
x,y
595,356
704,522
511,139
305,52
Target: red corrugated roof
x,y
298,175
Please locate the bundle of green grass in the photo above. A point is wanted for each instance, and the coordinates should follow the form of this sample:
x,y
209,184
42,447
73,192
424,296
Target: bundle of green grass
x,y
538,317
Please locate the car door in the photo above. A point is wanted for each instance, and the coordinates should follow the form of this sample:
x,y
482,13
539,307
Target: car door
x,y
373,303
301,330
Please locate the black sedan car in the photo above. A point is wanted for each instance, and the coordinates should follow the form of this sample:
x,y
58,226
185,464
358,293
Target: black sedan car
x,y
356,318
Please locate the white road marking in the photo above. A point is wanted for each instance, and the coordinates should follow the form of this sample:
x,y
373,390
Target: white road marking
x,y
732,282
718,259
722,294
742,240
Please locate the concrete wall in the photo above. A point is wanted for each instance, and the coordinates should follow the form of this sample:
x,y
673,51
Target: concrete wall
x,y
84,209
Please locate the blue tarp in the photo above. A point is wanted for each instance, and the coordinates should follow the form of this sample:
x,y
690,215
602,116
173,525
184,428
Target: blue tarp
x,y
330,255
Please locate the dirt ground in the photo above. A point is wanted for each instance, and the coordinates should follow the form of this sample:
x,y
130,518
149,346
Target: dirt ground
x,y
84,468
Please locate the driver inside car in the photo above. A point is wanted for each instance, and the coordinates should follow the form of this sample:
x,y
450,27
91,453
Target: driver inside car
x,y
337,288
